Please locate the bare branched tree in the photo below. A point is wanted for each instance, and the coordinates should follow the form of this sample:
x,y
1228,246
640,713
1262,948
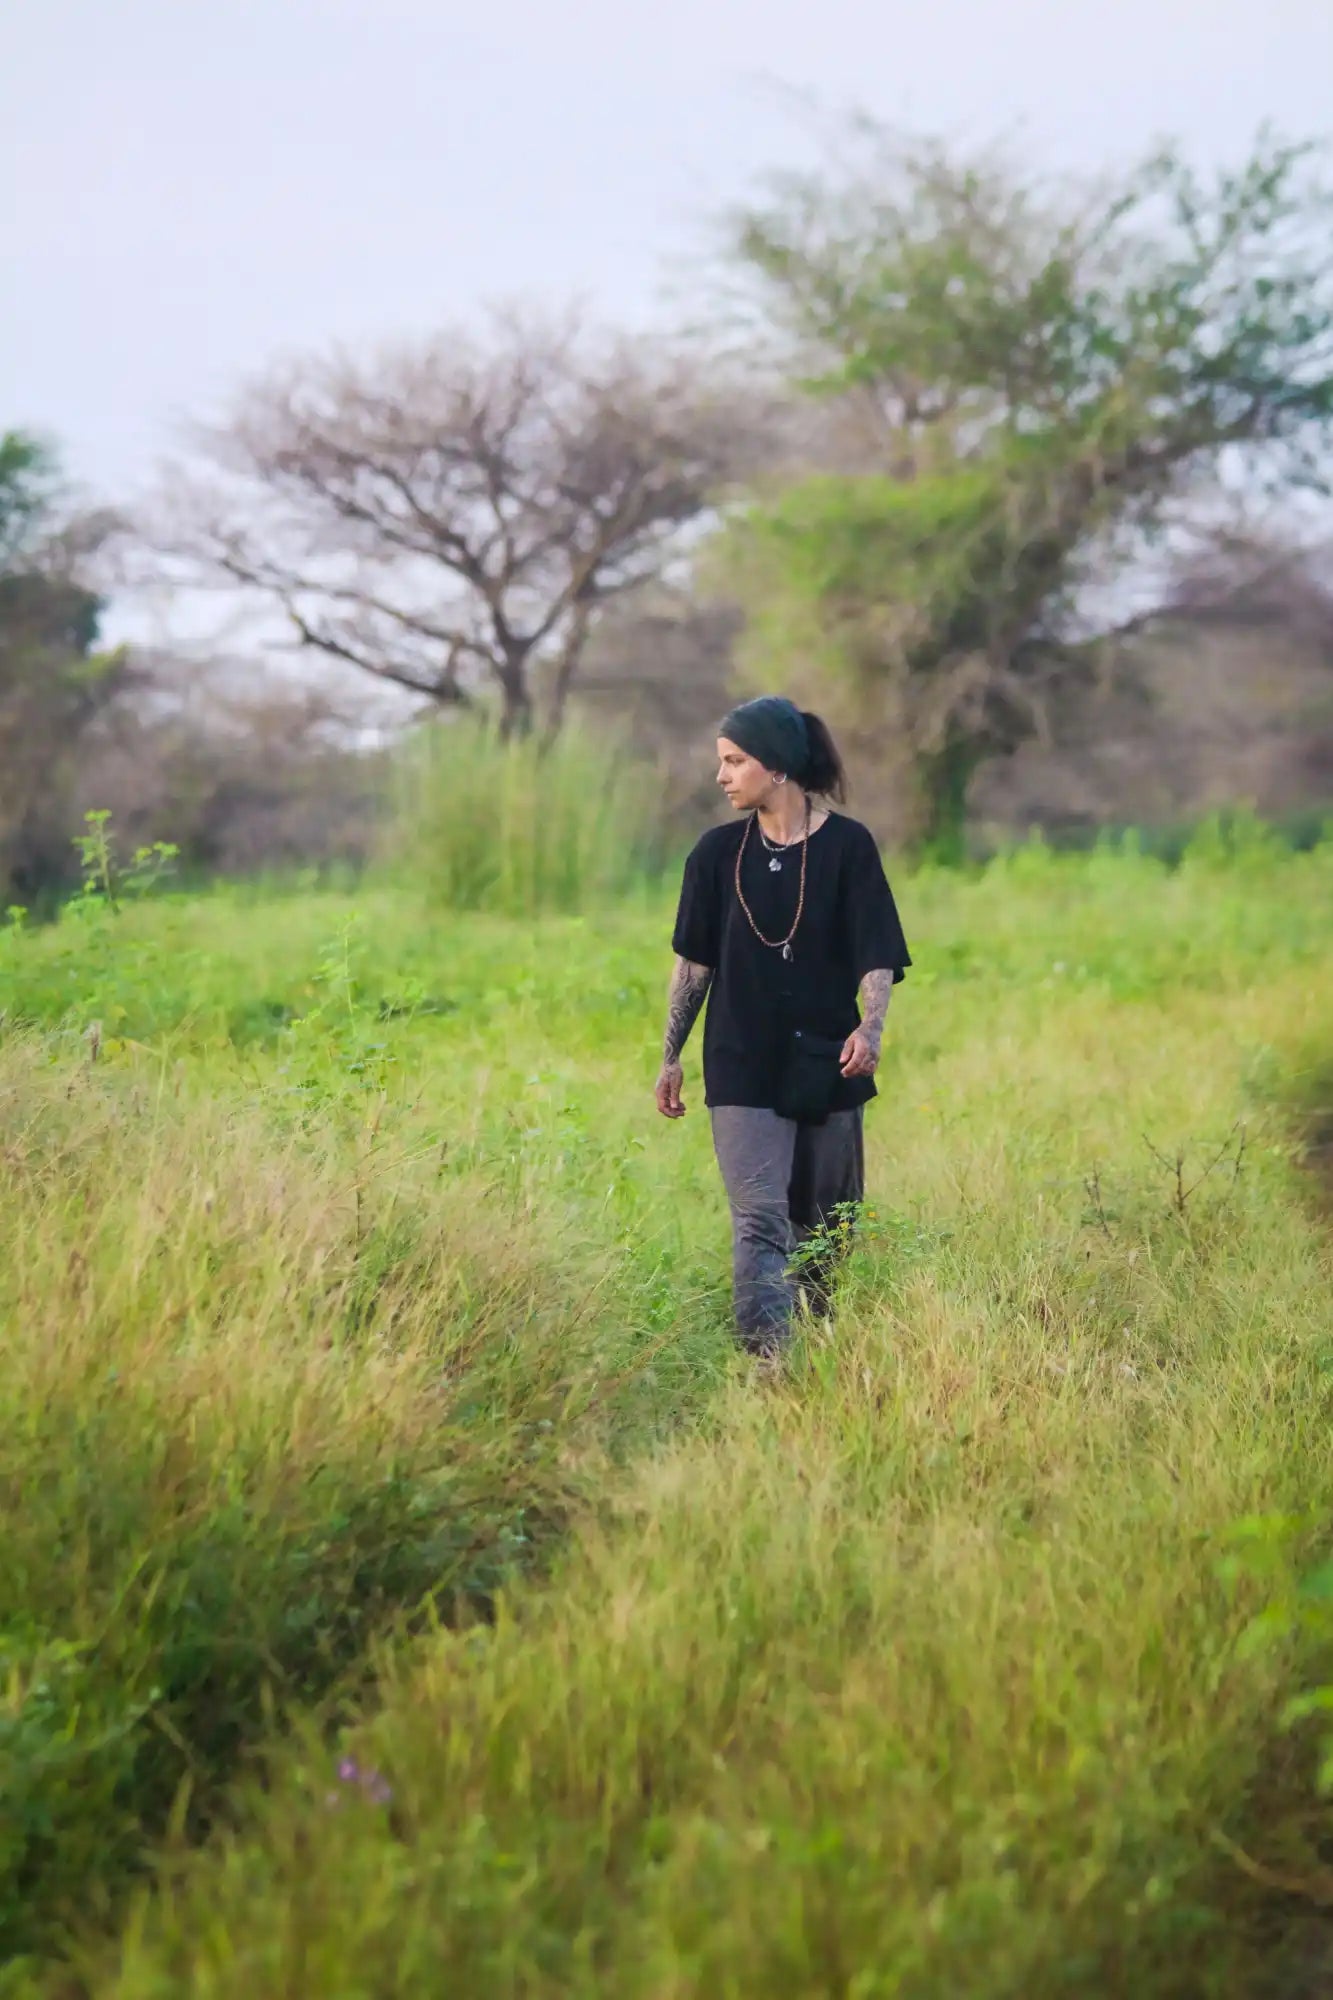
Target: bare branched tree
x,y
452,518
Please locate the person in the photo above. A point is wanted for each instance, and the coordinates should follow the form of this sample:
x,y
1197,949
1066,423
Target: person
x,y
784,916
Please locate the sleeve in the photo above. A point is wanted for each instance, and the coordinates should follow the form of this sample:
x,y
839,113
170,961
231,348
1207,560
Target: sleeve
x,y
875,933
697,916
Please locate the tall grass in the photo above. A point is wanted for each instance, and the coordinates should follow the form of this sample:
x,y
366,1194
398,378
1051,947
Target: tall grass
x,y
524,827
269,1384
919,1672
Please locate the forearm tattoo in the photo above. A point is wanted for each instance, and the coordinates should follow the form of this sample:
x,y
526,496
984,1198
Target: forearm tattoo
x,y
686,995
876,988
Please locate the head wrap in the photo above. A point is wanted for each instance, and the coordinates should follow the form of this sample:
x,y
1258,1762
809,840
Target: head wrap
x,y
773,730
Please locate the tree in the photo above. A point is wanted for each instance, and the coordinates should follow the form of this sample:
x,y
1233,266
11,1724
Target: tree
x,y
659,675
237,767
53,681
452,518
1040,379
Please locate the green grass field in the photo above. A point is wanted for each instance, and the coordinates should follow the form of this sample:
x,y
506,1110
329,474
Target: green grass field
x,y
407,1590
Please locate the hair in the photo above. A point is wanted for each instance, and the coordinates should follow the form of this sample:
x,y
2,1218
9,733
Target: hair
x,y
824,773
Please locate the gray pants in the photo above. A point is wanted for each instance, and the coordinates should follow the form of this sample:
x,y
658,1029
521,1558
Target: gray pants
x,y
783,1181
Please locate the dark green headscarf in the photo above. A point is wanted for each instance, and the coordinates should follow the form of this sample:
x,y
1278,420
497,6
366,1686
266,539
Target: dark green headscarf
x,y
773,730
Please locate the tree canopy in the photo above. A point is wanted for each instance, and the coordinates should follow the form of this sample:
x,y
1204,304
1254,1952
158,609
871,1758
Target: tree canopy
x,y
1038,376
453,517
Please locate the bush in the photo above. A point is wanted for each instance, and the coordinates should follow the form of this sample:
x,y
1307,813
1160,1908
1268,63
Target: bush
x,y
521,828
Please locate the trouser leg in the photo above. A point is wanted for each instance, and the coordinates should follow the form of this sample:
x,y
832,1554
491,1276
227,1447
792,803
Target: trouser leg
x,y
754,1151
828,1170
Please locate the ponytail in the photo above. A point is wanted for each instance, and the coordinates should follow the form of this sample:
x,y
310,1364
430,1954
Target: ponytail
x,y
824,772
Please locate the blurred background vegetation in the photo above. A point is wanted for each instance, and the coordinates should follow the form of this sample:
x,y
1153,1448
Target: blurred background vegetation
x,y
1022,483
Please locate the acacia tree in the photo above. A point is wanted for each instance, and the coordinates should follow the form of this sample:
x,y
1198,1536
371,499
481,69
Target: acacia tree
x,y
452,518
1038,379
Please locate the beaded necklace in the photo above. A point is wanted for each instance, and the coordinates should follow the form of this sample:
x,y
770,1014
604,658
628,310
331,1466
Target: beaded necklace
x,y
774,944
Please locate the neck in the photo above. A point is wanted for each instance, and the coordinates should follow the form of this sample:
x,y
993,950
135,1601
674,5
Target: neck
x,y
783,818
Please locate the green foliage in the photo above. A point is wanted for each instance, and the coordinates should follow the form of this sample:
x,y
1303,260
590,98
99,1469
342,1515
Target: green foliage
x,y
1155,314
52,680
104,880
376,1406
931,557
524,827
28,481
198,1617
837,539
1046,372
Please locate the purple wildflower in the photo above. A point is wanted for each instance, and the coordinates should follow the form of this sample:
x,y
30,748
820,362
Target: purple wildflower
x,y
370,1783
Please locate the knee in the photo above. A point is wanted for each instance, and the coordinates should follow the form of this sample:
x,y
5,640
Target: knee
x,y
762,1223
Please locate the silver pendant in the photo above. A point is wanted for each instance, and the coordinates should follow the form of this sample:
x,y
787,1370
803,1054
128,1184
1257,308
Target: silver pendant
x,y
775,867
786,953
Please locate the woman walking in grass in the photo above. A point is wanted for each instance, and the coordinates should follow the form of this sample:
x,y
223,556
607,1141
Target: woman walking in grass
x,y
783,917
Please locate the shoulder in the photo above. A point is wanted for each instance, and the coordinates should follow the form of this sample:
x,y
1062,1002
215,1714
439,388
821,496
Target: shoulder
x,y
719,843
852,834
858,853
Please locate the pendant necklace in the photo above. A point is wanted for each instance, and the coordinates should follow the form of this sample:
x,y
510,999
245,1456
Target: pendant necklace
x,y
774,944
773,848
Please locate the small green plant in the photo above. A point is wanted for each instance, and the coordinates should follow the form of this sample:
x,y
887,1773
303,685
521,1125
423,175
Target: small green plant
x,y
832,1239
1298,1614
105,882
339,1036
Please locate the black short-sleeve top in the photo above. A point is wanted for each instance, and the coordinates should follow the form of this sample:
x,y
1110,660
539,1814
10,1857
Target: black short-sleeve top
x,y
849,926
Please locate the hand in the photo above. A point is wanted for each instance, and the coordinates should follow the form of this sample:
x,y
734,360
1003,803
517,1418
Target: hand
x,y
860,1054
667,1091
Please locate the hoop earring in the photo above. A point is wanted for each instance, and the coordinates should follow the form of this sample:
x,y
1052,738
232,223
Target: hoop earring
x,y
779,780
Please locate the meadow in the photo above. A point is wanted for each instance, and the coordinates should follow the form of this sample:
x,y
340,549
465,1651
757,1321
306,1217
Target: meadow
x,y
408,1589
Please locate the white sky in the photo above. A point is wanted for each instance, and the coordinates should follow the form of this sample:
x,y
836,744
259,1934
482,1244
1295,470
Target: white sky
x,y
200,188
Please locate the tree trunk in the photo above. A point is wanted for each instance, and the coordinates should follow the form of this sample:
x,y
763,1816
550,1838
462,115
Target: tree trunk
x,y
567,665
515,698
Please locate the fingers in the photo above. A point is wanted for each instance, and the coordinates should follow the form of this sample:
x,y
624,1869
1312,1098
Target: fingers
x,y
858,1058
669,1100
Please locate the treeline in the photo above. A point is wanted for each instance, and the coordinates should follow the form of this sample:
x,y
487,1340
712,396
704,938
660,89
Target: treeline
x,y
941,408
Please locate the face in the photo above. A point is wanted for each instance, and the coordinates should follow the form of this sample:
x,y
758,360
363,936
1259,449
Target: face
x,y
742,777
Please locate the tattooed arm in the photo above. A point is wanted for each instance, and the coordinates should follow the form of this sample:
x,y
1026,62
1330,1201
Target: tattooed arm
x,y
860,1056
686,995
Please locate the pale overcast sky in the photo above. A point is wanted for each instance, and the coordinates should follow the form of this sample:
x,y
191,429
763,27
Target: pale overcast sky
x,y
201,188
